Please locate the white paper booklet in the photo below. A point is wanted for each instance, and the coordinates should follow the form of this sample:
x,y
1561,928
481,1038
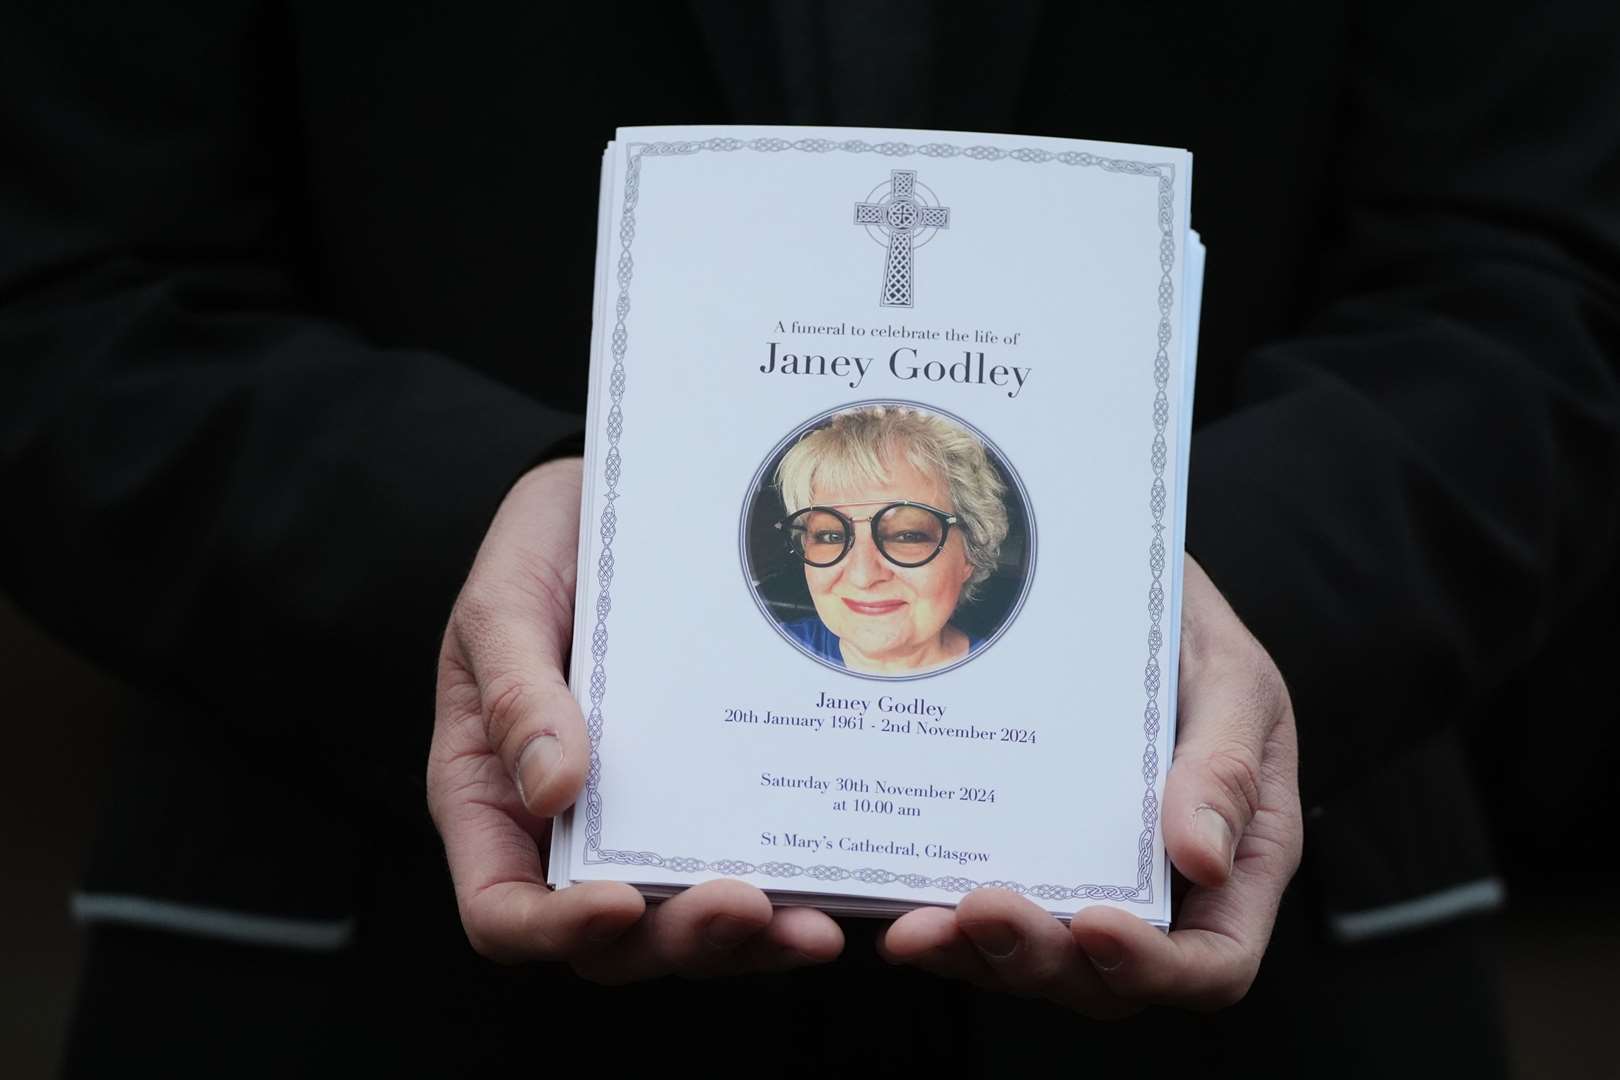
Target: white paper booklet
x,y
880,553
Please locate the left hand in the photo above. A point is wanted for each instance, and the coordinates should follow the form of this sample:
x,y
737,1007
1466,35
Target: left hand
x,y
1232,826
510,752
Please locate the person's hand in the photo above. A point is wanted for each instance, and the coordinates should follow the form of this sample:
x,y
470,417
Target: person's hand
x,y
1232,825
510,751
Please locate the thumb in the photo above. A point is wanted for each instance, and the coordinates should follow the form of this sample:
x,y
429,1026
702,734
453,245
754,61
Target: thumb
x,y
536,728
1231,696
531,720
511,626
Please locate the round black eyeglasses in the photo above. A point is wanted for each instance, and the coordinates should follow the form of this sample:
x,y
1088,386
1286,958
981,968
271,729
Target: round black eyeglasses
x,y
906,533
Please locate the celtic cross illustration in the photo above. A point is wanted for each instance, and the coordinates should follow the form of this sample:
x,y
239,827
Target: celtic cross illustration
x,y
906,216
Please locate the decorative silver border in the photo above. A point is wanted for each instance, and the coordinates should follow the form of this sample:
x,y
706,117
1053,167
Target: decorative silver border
x,y
994,451
1164,173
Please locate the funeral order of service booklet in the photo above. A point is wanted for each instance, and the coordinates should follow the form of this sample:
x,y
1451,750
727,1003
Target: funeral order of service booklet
x,y
880,551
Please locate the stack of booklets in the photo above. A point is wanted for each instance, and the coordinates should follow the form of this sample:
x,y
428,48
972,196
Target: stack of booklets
x,y
880,557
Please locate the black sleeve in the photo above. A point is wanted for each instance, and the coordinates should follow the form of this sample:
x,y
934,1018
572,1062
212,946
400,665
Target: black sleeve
x,y
209,490
1419,488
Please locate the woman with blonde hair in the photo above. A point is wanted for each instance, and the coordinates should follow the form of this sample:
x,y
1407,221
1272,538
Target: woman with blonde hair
x,y
898,516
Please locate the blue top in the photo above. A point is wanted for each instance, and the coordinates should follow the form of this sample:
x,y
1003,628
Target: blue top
x,y
813,634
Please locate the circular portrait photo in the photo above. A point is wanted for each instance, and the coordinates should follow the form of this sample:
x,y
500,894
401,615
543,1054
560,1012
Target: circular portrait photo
x,y
888,540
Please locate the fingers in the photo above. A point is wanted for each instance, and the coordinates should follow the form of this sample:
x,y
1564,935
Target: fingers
x,y
1108,963
1026,948
717,928
1192,967
605,929
929,938
1231,698
514,922
796,937
999,940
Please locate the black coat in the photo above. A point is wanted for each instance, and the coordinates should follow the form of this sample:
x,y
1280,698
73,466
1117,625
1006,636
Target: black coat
x,y
291,292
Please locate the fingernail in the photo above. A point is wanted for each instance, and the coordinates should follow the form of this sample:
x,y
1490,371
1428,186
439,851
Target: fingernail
x,y
996,940
542,754
602,929
1214,833
1105,954
726,931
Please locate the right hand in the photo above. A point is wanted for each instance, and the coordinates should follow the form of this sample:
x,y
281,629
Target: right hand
x,y
510,752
